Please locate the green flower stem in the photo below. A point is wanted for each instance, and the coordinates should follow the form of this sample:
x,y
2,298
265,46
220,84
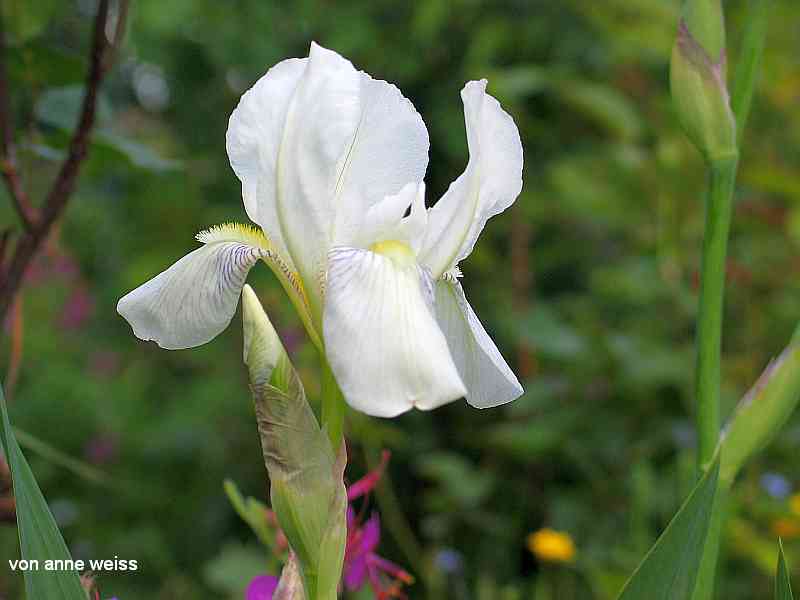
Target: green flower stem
x,y
333,406
712,289
709,333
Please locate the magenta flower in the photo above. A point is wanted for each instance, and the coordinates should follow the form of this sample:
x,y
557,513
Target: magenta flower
x,y
261,587
362,564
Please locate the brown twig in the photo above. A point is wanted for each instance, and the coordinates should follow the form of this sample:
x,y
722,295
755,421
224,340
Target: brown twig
x,y
119,34
59,194
8,151
4,237
17,342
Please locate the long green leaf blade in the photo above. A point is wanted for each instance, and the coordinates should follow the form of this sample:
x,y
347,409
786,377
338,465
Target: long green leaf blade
x,y
669,570
783,586
39,537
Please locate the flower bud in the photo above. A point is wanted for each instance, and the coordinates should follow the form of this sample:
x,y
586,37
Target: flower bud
x,y
762,412
264,353
706,24
700,93
306,478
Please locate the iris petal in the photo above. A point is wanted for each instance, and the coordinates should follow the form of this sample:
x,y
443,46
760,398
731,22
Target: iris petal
x,y
489,380
195,299
381,337
489,185
316,143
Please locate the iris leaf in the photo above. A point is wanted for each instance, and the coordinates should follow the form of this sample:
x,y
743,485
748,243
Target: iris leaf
x,y
39,537
783,586
669,570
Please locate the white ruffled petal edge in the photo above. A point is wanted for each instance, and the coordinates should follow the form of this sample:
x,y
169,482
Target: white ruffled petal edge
x,y
489,380
381,337
195,299
316,143
490,183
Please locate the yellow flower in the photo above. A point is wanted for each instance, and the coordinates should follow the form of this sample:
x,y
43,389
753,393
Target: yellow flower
x,y
786,528
552,546
794,504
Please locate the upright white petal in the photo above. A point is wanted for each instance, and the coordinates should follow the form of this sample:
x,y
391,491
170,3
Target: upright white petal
x,y
489,380
322,119
317,143
489,185
389,149
195,299
381,337
253,141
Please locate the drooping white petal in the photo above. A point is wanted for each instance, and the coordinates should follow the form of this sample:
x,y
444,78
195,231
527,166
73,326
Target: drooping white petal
x,y
322,142
195,299
381,337
489,185
488,378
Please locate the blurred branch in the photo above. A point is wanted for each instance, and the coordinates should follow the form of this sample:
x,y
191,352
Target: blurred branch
x,y
38,228
4,237
119,33
8,152
17,332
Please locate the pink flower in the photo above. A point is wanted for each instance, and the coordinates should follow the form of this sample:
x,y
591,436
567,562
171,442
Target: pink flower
x,y
361,563
261,587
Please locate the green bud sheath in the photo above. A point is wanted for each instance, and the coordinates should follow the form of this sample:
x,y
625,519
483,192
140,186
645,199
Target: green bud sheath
x,y
706,23
701,99
762,412
306,479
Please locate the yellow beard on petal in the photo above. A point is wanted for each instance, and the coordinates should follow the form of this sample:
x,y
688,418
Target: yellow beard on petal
x,y
280,265
235,232
400,252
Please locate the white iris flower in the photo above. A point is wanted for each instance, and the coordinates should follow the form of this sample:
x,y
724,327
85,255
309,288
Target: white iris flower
x,y
332,163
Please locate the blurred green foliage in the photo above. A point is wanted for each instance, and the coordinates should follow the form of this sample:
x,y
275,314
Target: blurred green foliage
x,y
589,285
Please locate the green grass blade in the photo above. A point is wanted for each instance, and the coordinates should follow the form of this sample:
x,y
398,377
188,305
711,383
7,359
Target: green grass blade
x,y
783,586
669,570
61,459
39,537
